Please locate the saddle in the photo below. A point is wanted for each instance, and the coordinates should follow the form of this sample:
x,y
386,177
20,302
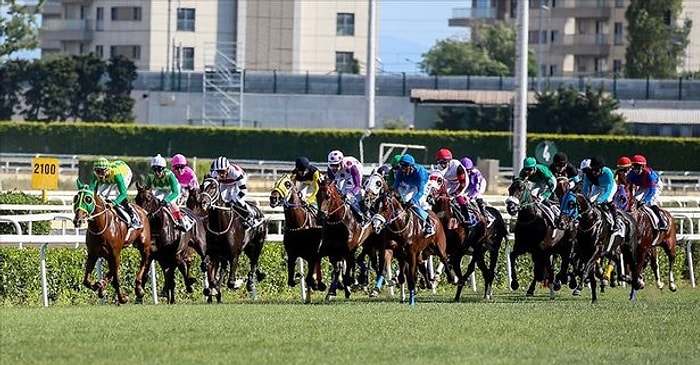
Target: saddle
x,y
549,213
131,220
646,210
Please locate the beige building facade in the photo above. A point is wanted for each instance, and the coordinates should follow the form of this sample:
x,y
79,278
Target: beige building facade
x,y
573,37
161,35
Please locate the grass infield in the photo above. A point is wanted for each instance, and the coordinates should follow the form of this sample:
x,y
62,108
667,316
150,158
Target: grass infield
x,y
658,328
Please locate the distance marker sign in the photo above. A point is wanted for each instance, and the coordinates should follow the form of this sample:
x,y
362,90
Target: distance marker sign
x,y
45,173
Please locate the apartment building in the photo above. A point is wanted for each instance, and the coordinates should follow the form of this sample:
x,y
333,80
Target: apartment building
x,y
573,37
284,35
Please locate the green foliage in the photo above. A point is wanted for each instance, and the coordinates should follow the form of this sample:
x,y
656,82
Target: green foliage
x,y
118,104
18,27
656,44
18,197
51,89
12,75
490,52
86,103
286,144
475,117
568,111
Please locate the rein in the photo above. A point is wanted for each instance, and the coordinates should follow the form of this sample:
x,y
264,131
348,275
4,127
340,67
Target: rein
x,y
395,217
92,217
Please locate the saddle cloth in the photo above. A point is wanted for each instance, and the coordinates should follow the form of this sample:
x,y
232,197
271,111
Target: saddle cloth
x,y
652,216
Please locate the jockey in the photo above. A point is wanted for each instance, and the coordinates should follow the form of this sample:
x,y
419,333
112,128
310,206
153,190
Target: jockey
x,y
410,183
307,178
346,172
599,186
543,180
648,186
110,179
624,164
395,166
456,182
165,187
477,184
184,174
232,185
561,167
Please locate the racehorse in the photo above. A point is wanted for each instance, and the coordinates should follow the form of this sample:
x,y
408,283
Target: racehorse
x,y
536,235
106,236
302,235
650,237
474,236
596,239
342,235
405,229
172,249
227,237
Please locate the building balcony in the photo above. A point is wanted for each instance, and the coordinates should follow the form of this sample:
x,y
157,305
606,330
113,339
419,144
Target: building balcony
x,y
582,44
466,17
66,30
596,9
52,8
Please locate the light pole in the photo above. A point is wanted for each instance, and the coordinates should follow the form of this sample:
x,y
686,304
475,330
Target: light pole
x,y
543,8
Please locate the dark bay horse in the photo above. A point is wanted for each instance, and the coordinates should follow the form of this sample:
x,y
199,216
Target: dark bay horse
x,y
342,235
227,238
302,235
405,229
595,239
538,236
172,249
650,237
106,236
476,238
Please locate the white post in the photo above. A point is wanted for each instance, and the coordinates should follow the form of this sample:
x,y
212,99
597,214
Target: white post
x,y
42,260
371,67
154,284
520,107
302,282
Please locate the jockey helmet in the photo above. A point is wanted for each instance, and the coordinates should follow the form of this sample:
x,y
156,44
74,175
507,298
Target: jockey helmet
x,y
639,160
529,163
335,157
158,161
101,164
178,159
561,157
623,162
443,154
467,163
221,163
597,162
302,163
585,164
395,160
407,159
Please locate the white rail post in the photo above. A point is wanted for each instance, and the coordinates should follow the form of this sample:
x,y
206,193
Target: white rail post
x,y
154,284
44,286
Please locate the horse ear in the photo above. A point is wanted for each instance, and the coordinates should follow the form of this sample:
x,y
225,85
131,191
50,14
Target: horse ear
x,y
78,183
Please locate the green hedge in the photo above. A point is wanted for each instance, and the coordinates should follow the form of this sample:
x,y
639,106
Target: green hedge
x,y
20,280
18,197
285,144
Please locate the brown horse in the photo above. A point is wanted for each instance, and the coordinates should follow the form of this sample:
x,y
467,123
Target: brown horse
x,y
106,236
404,229
172,249
302,235
342,235
227,238
649,236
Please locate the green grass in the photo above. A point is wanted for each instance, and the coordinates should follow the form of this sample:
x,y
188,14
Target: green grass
x,y
659,328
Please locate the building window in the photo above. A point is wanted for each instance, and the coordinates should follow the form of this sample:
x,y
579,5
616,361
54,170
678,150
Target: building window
x,y
555,37
188,58
126,13
619,3
100,16
619,40
185,19
345,24
617,66
99,51
344,62
130,52
553,70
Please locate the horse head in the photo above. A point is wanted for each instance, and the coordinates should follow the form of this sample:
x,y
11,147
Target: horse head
x,y
519,197
387,210
208,193
330,203
374,186
146,199
85,204
281,191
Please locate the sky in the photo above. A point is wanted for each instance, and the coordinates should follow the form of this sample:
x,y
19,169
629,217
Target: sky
x,y
406,30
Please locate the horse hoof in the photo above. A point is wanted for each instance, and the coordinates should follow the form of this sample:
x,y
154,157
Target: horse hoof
x,y
260,276
190,282
576,293
572,283
530,294
514,285
291,283
163,293
124,299
347,293
605,282
189,289
557,286
250,287
374,293
660,285
322,286
672,287
206,292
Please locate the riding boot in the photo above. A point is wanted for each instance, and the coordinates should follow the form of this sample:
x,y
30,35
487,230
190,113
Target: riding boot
x,y
245,214
482,208
428,227
133,218
663,225
612,208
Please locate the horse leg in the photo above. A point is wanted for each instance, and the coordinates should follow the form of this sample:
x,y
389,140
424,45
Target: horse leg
x,y
169,283
144,266
89,268
334,281
488,274
671,255
185,268
594,294
382,261
291,265
233,283
654,262
319,275
514,284
114,262
412,275
457,267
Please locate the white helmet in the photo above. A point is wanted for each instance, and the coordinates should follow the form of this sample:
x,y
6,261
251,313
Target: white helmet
x,y
335,157
158,160
585,164
221,163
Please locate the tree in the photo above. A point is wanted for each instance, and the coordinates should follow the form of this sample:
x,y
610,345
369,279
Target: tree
x,y
86,103
118,104
656,44
11,78
568,111
490,52
52,83
18,28
473,117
